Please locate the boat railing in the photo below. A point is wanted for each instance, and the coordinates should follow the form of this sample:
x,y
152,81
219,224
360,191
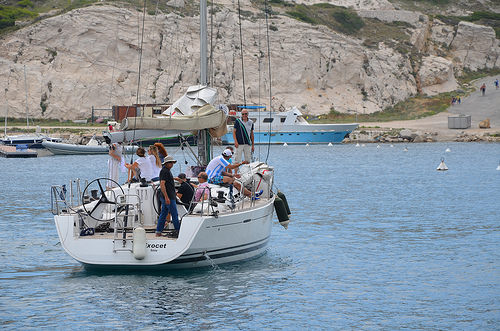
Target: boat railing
x,y
61,200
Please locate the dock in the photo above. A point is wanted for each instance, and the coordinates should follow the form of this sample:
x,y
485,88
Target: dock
x,y
19,151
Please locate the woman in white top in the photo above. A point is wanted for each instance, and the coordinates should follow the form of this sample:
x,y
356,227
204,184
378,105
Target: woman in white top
x,y
142,167
156,165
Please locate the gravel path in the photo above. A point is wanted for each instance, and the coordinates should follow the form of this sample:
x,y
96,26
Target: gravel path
x,y
478,106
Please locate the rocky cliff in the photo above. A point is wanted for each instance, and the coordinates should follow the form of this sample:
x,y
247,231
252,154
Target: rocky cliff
x,y
90,57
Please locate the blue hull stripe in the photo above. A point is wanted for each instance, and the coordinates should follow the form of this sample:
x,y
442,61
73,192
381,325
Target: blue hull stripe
x,y
294,137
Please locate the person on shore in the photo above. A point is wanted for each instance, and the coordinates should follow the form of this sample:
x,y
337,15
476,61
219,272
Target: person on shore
x,y
114,164
141,168
218,174
483,89
496,83
156,165
167,197
162,152
186,191
202,189
243,137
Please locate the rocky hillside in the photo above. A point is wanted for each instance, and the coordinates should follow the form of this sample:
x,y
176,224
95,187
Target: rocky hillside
x,y
363,58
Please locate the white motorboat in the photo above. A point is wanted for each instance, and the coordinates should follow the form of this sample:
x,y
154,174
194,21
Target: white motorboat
x,y
33,140
116,227
290,127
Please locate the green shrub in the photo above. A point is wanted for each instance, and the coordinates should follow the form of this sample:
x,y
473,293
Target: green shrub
x,y
349,21
25,3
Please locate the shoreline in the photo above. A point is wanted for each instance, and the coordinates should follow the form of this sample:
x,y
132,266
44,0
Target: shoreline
x,y
429,129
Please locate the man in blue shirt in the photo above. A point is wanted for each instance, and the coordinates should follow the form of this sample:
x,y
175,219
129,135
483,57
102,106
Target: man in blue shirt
x,y
243,137
217,172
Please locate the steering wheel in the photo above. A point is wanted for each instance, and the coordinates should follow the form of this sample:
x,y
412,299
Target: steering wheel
x,y
103,199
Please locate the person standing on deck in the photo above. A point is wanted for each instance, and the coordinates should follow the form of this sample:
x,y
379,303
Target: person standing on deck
x,y
167,197
243,137
114,164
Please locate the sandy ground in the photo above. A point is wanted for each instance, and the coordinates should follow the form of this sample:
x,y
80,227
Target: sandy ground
x,y
478,106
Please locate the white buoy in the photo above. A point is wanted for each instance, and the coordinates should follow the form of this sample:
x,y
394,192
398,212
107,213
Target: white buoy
x,y
406,149
285,144
442,166
307,144
448,150
378,146
392,145
498,168
357,144
363,145
330,144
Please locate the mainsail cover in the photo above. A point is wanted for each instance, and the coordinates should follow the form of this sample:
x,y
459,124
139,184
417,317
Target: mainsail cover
x,y
206,117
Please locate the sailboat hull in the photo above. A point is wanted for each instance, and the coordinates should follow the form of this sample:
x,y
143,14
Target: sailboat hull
x,y
202,241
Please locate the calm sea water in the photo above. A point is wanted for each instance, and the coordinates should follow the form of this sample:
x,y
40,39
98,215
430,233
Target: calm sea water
x,y
379,240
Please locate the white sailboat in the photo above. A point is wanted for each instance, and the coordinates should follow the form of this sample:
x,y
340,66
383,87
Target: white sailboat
x,y
226,227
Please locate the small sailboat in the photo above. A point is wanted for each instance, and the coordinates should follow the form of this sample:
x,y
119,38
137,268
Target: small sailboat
x,y
498,168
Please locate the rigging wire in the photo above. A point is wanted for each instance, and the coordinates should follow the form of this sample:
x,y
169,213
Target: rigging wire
x,y
114,65
259,63
151,33
270,81
241,52
211,66
139,77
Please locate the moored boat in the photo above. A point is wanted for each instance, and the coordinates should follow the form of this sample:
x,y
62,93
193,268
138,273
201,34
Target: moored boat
x,y
60,148
290,127
31,140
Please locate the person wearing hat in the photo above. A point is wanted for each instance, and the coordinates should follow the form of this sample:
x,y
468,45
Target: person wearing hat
x,y
218,174
167,197
186,190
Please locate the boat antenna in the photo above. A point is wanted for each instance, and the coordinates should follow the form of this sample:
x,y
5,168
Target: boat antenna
x,y
241,54
267,10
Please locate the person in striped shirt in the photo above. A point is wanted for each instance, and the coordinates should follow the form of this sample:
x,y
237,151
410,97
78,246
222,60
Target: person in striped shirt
x,y
218,173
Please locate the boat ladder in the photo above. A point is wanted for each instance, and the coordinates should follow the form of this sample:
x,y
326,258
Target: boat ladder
x,y
128,216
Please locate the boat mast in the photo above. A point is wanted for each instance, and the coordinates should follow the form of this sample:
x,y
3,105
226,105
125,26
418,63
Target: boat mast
x,y
204,148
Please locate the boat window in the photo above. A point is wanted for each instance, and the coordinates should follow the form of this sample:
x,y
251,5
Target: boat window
x,y
268,120
283,119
